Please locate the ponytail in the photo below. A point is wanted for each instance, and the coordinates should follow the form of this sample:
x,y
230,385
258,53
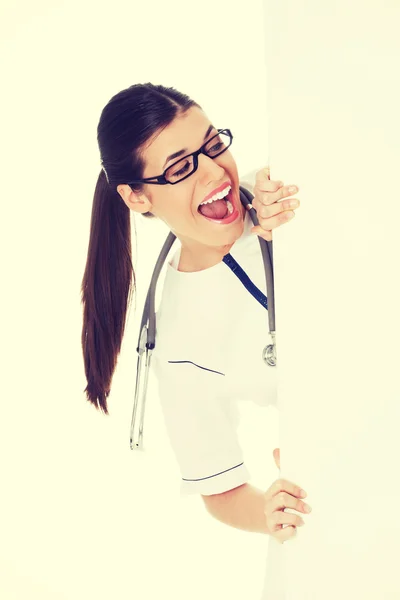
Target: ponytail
x,y
127,123
106,290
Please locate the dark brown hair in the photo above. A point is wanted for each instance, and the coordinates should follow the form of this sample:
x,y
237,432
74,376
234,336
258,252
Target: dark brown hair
x,y
126,123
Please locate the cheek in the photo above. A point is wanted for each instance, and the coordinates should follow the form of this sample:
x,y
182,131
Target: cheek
x,y
176,206
231,168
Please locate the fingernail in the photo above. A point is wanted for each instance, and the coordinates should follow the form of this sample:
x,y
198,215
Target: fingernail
x,y
307,508
292,189
303,494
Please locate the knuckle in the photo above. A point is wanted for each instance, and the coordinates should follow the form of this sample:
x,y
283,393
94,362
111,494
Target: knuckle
x,y
282,498
280,218
286,204
264,197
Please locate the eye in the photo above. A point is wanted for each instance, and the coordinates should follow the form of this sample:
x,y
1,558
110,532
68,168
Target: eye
x,y
216,147
181,171
184,170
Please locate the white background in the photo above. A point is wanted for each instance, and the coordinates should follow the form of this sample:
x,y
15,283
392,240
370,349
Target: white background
x,y
83,516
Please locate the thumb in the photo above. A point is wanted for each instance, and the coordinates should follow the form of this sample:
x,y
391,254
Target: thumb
x,y
277,456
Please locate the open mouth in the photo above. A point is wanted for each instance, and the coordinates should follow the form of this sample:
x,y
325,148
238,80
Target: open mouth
x,y
221,211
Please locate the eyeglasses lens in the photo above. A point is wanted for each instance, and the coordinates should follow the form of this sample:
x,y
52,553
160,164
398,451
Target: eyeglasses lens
x,y
185,167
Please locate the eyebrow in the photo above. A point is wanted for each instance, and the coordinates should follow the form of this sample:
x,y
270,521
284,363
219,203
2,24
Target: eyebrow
x,y
185,150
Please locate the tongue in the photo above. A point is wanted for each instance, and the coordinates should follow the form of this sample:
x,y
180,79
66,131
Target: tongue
x,y
215,210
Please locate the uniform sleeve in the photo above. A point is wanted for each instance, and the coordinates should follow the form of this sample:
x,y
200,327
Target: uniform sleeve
x,y
201,428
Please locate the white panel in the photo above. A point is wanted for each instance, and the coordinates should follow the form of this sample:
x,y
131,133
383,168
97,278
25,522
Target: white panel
x,y
334,98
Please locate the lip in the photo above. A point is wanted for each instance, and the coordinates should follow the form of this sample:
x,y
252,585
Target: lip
x,y
233,217
216,191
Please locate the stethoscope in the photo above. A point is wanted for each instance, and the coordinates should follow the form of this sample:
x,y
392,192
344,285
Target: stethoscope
x,y
147,331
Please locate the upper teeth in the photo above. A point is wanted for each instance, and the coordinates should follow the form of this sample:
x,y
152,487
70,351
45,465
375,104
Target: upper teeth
x,y
218,196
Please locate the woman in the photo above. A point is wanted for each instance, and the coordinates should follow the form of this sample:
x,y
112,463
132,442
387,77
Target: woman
x,y
210,329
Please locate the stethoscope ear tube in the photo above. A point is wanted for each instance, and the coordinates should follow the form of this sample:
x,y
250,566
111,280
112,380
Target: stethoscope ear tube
x,y
149,316
147,330
269,352
267,254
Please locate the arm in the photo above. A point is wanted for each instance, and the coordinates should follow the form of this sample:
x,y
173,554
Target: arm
x,y
241,507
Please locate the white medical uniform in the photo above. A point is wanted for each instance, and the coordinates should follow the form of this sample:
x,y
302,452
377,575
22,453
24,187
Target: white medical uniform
x,y
210,334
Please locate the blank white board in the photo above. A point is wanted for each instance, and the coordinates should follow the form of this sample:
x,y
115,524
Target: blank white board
x,y
334,130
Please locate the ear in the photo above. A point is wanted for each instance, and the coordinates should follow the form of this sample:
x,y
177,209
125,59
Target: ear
x,y
134,201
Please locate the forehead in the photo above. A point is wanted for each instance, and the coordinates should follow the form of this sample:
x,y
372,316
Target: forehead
x,y
186,131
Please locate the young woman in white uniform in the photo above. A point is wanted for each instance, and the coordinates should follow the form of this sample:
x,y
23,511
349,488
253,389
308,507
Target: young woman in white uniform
x,y
210,330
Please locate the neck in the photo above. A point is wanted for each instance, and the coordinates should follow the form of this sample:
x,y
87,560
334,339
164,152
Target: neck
x,y
197,257
192,260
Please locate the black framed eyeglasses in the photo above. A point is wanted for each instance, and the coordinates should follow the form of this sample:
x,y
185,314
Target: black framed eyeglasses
x,y
186,166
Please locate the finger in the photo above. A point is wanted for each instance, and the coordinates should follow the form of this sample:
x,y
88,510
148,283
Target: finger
x,y
284,500
264,184
270,196
278,518
284,485
283,518
266,212
266,235
283,535
277,221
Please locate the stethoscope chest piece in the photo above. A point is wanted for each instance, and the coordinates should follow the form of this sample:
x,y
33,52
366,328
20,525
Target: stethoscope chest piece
x,y
269,353
268,356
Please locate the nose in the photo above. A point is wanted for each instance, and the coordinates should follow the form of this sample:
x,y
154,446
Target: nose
x,y
209,169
